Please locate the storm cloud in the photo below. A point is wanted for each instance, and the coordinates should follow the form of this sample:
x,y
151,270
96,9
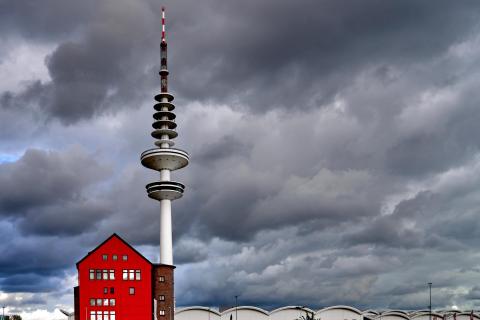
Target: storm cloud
x,y
334,148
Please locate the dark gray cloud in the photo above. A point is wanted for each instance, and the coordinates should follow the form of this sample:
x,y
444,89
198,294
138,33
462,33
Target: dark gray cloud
x,y
334,148
41,178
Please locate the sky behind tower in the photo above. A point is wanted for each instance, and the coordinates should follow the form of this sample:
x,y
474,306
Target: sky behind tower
x,y
334,148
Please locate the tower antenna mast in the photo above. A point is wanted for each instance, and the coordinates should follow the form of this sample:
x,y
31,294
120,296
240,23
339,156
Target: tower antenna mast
x,y
164,159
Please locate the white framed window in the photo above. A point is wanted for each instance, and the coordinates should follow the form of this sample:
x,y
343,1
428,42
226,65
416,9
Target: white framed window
x,y
112,315
125,274
161,312
124,257
104,257
98,274
112,274
105,274
99,302
112,302
92,274
99,315
92,302
92,315
161,279
114,257
137,275
161,297
131,290
105,302
131,274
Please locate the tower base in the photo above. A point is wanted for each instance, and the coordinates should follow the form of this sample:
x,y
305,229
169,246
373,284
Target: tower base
x,y
163,294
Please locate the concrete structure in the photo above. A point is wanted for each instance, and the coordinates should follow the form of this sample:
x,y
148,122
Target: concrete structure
x,y
329,313
164,159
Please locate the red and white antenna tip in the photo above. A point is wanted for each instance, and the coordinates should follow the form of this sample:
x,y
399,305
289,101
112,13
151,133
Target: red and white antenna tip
x,y
163,24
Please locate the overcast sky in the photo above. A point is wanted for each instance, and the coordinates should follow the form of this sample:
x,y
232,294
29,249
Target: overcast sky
x,y
335,148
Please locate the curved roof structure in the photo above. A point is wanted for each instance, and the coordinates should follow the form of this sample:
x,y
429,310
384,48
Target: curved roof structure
x,y
340,307
394,313
251,308
198,308
291,308
328,313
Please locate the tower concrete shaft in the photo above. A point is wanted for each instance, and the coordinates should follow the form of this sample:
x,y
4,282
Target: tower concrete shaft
x,y
164,158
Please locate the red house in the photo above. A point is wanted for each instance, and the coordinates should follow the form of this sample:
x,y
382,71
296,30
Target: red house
x,y
116,282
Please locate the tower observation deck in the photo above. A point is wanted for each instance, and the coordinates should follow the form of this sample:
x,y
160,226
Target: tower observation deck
x,y
164,158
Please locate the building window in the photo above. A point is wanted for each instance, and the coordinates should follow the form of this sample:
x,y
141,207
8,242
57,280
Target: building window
x,y
105,274
112,274
92,302
112,290
162,312
105,302
131,290
124,257
161,298
112,302
92,274
98,274
114,257
105,257
161,279
105,290
131,274
102,315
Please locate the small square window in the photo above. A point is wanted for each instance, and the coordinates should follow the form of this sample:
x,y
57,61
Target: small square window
x,y
131,290
104,257
92,302
161,298
161,279
112,290
112,302
114,257
162,312
105,290
124,257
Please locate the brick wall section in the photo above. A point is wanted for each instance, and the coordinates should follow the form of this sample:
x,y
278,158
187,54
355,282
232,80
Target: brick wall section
x,y
163,288
76,301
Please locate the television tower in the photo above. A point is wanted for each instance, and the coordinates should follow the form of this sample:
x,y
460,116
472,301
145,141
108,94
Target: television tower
x,y
165,159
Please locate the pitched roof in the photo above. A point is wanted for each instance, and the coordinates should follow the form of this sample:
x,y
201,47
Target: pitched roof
x,y
114,235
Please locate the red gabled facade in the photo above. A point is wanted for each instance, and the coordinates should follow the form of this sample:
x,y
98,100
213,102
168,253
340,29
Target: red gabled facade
x,y
114,283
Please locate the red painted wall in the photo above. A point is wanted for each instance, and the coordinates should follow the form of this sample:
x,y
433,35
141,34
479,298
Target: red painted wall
x,y
127,307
